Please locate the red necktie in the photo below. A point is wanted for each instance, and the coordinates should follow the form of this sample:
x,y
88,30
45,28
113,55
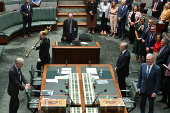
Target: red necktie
x,y
166,73
155,5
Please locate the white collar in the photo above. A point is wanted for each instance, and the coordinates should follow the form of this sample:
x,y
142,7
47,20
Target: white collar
x,y
16,67
150,66
123,52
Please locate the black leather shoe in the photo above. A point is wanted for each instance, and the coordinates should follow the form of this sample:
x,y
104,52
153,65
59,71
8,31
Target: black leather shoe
x,y
161,101
122,39
117,37
166,107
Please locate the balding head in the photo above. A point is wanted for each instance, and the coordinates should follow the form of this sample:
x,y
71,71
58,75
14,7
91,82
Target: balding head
x,y
150,22
42,35
123,2
123,46
70,16
19,62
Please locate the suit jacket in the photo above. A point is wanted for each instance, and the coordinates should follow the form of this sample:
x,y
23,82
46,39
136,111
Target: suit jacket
x,y
137,18
129,4
123,64
162,58
107,11
145,33
122,14
24,11
44,47
14,82
66,29
150,43
151,84
159,8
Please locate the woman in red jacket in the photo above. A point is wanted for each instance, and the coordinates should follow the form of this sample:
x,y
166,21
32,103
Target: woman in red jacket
x,y
157,46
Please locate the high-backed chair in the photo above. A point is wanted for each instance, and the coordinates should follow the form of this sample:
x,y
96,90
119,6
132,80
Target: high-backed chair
x,y
129,80
85,37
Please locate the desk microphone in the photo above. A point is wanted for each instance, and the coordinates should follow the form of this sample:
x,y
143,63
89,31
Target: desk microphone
x,y
66,62
105,90
89,63
67,95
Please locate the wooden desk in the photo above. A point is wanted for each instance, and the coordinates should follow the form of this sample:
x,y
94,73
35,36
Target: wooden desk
x,y
80,68
76,54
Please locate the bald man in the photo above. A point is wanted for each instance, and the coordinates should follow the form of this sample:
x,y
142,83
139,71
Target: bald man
x,y
70,29
44,55
15,84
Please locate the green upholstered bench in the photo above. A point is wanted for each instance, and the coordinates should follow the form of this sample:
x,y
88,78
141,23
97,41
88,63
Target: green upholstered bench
x,y
12,23
1,49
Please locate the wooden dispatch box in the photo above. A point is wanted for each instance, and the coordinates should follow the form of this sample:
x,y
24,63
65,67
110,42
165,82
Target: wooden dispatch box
x,y
53,105
111,105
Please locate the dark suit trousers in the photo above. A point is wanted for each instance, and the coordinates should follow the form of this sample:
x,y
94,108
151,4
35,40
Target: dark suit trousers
x,y
14,104
166,89
121,27
25,22
122,85
144,97
104,22
69,38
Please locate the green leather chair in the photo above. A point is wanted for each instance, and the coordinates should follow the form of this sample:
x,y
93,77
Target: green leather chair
x,y
35,81
129,80
32,101
1,49
130,101
85,37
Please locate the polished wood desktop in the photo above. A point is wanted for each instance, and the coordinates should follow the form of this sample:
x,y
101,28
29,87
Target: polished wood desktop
x,y
79,69
76,54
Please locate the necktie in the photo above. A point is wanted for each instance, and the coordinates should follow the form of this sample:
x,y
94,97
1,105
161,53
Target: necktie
x,y
120,54
151,37
19,74
70,26
28,10
160,50
122,8
155,5
147,74
166,72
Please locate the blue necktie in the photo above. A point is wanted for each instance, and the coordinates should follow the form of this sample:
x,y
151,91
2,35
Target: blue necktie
x,y
148,71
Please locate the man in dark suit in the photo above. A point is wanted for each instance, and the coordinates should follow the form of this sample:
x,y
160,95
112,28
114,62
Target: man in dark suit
x,y
157,7
145,33
70,29
44,55
148,82
122,66
150,40
129,4
166,87
122,10
15,84
162,57
27,12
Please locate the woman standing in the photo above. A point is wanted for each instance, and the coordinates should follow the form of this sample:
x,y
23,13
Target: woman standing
x,y
134,19
113,18
157,46
139,47
91,15
104,10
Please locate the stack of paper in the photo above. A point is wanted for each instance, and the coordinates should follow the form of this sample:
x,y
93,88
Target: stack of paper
x,y
102,81
66,71
91,70
52,80
62,77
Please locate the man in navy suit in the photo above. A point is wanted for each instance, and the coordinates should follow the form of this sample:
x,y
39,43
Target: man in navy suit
x,y
27,12
148,82
122,10
162,57
150,40
157,7
129,4
15,84
122,66
166,87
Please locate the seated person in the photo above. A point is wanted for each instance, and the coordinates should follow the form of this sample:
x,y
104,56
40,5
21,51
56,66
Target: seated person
x,y
36,3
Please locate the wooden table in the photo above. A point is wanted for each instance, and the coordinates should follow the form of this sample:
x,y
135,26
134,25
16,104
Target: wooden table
x,y
80,68
76,54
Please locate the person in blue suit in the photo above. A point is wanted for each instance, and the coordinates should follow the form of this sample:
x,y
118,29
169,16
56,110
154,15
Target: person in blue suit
x,y
157,8
129,4
148,82
122,10
27,12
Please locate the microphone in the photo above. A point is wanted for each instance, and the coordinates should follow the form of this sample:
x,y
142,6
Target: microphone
x,y
67,95
105,90
89,63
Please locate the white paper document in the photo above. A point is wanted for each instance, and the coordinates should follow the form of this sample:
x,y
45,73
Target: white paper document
x,y
95,77
65,72
52,80
62,77
102,81
84,43
91,70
